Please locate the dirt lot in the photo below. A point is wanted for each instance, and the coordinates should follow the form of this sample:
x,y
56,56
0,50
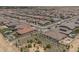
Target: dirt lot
x,y
74,44
5,46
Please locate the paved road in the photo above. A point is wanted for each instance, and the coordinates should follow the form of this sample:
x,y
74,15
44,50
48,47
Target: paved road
x,y
52,25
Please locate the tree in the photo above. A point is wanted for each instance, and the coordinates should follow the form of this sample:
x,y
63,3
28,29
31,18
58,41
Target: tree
x,y
39,42
67,46
34,45
61,16
29,45
26,46
31,41
78,50
36,39
64,50
21,49
27,41
48,46
44,48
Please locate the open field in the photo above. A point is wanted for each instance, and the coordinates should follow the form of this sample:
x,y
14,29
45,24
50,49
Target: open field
x,y
5,45
74,45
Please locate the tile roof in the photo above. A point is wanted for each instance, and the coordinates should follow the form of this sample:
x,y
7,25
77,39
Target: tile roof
x,y
24,28
55,34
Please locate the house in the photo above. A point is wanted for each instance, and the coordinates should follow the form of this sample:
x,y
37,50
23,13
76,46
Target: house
x,y
73,23
70,25
24,28
12,23
55,34
64,30
44,23
3,27
56,19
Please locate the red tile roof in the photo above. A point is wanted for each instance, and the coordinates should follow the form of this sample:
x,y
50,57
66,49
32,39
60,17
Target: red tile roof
x,y
24,28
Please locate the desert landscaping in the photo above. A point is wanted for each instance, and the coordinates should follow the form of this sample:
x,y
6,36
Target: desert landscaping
x,y
5,45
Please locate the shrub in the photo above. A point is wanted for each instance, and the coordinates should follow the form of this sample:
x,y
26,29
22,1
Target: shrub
x,y
29,45
78,50
48,46
39,42
37,51
21,49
